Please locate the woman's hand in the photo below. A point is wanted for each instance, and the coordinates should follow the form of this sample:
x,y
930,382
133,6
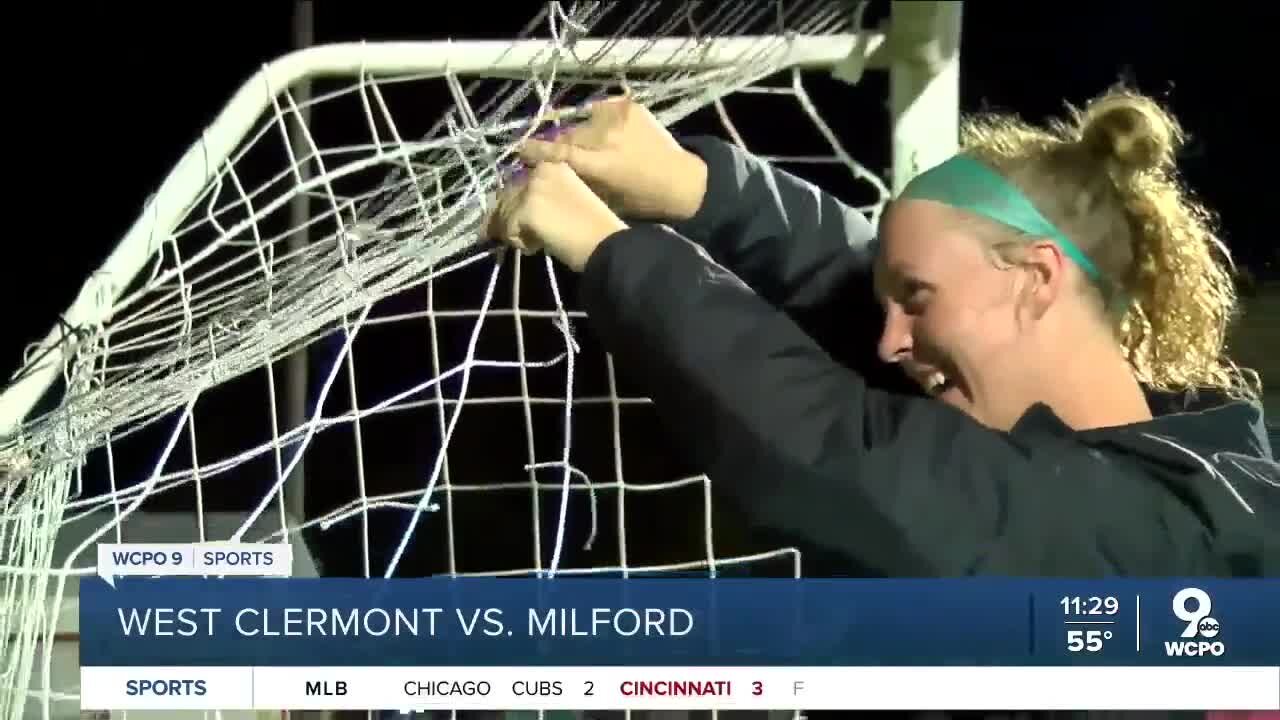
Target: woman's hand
x,y
552,209
630,160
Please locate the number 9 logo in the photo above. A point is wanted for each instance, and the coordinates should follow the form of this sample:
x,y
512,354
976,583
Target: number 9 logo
x,y
1193,618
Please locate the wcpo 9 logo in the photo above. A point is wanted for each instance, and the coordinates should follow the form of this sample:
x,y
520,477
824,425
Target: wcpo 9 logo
x,y
1193,607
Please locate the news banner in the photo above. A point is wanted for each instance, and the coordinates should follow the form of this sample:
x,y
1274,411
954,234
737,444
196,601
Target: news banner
x,y
223,626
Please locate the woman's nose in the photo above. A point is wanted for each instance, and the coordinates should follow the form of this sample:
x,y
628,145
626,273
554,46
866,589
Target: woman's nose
x,y
895,339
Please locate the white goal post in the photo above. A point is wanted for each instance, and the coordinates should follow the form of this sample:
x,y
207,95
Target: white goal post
x,y
922,59
199,165
201,293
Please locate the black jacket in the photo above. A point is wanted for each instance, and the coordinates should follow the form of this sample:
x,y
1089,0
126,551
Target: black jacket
x,y
752,327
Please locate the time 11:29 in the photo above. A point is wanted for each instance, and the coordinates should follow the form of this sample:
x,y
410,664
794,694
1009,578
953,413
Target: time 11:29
x,y
1075,605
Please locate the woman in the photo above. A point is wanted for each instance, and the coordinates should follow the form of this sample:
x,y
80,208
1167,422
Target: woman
x,y
1058,299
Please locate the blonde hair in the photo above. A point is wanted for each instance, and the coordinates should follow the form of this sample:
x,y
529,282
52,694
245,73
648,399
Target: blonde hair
x,y
1106,176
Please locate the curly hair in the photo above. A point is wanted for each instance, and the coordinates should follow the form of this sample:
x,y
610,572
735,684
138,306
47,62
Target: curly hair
x,y
1106,176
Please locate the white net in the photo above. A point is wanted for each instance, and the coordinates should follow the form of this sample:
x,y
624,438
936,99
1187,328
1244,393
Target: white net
x,y
459,418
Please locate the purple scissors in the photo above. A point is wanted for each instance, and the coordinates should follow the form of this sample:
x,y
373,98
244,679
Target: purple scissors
x,y
516,170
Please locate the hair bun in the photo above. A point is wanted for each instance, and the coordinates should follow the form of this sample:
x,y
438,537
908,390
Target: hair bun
x,y
1132,131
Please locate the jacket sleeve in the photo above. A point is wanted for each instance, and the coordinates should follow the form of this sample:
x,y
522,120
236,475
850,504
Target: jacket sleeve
x,y
792,243
801,249
803,446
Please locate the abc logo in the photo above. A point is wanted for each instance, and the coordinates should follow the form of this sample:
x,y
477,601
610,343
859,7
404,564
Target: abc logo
x,y
1208,628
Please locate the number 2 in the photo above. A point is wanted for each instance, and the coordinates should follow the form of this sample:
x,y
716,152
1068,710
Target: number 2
x,y
757,688
591,687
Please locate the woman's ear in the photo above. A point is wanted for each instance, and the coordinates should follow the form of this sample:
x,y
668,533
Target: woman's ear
x,y
1046,268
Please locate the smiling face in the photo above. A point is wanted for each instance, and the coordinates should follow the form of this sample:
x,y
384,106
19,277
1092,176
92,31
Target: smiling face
x,y
1149,305
957,321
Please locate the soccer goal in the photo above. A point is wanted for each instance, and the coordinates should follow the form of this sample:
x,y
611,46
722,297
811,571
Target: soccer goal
x,y
301,338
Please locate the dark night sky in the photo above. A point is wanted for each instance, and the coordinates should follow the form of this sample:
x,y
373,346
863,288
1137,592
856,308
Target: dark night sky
x,y
91,141
108,127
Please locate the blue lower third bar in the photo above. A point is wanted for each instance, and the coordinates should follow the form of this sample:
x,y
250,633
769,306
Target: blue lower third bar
x,y
238,622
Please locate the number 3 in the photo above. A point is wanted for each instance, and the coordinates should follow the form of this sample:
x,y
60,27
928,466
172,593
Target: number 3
x,y
757,688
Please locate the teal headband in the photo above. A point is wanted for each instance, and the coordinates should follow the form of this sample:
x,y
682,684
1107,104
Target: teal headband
x,y
967,184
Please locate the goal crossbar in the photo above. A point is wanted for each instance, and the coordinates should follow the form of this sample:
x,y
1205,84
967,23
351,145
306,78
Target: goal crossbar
x,y
199,165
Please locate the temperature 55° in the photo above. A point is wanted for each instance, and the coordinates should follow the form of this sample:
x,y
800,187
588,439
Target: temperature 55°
x,y
1086,640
